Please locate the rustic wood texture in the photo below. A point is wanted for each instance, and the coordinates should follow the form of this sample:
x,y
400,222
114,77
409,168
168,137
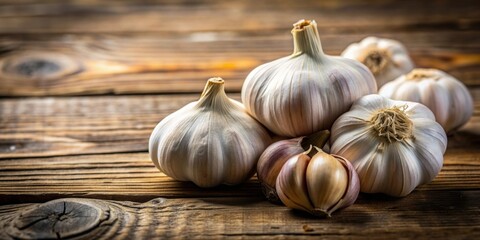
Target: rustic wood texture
x,y
83,83
455,217
133,177
42,127
84,64
112,49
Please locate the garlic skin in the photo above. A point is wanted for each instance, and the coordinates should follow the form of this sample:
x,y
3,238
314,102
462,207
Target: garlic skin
x,y
277,154
318,183
387,59
448,98
305,92
394,146
210,142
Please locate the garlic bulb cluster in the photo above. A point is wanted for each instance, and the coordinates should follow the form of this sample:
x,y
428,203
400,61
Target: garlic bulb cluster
x,y
447,97
306,91
394,145
386,58
318,183
211,141
274,157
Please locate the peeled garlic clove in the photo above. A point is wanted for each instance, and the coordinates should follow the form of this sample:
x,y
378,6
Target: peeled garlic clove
x,y
386,58
447,97
305,92
394,146
211,141
274,157
319,184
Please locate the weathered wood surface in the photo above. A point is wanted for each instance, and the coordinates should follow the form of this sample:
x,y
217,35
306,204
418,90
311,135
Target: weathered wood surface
x,y
133,177
113,49
41,127
419,215
55,16
55,148
86,64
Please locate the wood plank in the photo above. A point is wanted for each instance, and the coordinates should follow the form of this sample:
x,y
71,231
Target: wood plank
x,y
56,126
425,215
337,16
83,64
134,177
82,125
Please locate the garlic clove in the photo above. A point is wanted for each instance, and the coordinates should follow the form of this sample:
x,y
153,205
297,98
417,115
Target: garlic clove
x,y
353,189
274,157
327,174
271,162
317,182
291,183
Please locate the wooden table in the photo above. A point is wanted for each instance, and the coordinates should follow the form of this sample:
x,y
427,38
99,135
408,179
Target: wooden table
x,y
84,83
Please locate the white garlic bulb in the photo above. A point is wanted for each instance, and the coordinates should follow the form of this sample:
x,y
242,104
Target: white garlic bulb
x,y
305,92
317,182
210,142
447,97
394,145
386,58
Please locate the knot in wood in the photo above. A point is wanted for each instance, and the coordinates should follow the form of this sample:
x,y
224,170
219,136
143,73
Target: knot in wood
x,y
37,67
40,66
60,218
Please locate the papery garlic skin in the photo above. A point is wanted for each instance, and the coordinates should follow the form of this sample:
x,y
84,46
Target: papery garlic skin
x,y
271,162
210,142
387,59
394,146
306,91
274,157
319,184
448,98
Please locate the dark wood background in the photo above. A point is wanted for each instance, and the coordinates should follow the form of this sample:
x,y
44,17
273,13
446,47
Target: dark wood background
x,y
83,83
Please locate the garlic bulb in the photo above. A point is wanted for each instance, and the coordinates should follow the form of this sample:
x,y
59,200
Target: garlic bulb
x,y
318,183
394,145
306,91
274,157
386,58
211,141
448,98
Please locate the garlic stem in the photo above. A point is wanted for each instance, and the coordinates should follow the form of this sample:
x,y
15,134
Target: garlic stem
x,y
317,139
214,90
392,124
306,39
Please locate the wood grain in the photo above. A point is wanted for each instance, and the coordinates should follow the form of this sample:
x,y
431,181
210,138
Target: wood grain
x,y
86,48
337,16
56,126
82,64
134,177
62,142
421,214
